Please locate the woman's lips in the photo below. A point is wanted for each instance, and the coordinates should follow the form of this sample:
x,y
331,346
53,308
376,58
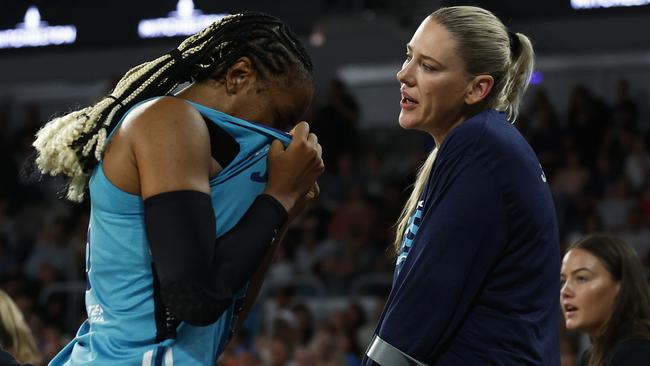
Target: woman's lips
x,y
407,102
570,310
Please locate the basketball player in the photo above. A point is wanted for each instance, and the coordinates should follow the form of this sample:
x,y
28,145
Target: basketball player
x,y
166,280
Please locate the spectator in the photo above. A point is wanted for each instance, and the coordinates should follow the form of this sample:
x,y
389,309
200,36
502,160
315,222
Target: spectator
x,y
615,206
15,335
336,124
605,294
587,122
626,111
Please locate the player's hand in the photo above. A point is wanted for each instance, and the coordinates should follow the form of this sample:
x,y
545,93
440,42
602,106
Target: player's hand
x,y
293,172
302,202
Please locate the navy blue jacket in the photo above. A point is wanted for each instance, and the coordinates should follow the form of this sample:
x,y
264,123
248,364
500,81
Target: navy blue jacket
x,y
480,284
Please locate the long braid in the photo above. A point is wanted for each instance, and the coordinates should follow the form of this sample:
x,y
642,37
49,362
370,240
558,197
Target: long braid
x,y
73,144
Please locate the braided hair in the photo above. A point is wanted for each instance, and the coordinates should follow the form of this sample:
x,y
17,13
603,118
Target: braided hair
x,y
73,144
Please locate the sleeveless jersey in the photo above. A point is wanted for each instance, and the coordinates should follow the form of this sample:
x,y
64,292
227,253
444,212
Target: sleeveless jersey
x,y
121,327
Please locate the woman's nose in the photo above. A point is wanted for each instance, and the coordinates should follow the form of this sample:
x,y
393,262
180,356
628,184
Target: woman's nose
x,y
404,74
565,290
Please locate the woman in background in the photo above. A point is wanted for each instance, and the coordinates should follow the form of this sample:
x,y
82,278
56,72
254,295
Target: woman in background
x,y
605,294
15,336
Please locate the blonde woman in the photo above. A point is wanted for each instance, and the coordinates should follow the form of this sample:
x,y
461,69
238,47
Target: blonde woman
x,y
15,336
188,192
477,243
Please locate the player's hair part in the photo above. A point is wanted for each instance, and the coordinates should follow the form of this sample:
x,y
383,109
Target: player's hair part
x,y
487,48
73,144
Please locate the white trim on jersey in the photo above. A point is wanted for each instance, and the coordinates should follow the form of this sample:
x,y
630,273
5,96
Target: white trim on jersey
x,y
169,357
147,358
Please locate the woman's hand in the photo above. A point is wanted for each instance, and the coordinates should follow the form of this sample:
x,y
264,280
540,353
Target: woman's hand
x,y
293,172
302,202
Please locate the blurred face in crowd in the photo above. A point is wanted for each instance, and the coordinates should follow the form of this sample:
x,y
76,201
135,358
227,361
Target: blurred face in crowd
x,y
433,82
588,292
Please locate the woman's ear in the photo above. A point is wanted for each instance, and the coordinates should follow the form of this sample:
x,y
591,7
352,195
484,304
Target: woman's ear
x,y
240,75
478,89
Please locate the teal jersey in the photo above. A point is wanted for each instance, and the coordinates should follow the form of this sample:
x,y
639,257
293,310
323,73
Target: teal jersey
x,y
122,305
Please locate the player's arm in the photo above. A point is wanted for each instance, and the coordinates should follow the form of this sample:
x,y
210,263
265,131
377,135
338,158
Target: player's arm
x,y
291,174
257,280
198,274
462,233
258,277
171,146
172,152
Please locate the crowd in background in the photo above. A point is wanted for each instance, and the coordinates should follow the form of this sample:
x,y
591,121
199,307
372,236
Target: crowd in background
x,y
595,158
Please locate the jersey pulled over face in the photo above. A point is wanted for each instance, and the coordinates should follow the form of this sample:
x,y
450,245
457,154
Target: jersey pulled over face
x,y
277,103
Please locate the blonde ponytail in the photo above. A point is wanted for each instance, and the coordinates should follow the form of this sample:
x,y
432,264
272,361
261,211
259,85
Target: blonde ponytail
x,y
487,48
412,203
519,74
